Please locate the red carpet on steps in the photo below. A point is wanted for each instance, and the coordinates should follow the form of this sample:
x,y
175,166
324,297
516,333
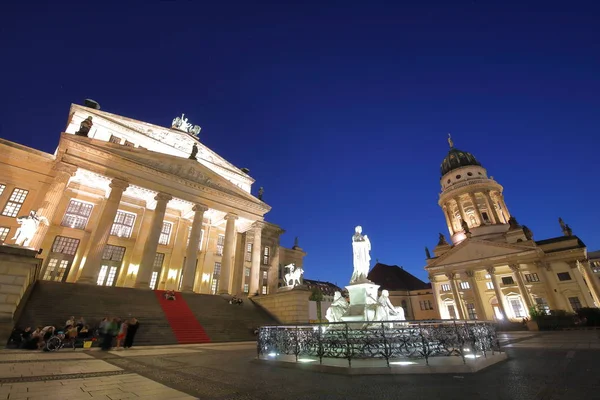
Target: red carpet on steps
x,y
183,323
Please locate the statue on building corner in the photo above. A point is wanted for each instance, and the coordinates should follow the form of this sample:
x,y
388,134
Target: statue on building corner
x,y
361,247
512,223
84,127
28,228
566,229
528,233
427,253
296,245
261,192
450,141
194,153
294,277
442,240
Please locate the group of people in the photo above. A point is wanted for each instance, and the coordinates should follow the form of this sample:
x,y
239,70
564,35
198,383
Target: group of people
x,y
170,295
35,339
123,331
236,300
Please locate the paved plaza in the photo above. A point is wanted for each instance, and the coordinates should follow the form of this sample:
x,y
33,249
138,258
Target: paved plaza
x,y
541,366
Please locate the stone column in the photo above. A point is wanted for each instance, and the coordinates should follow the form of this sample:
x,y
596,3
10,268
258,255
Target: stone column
x,y
448,220
476,208
142,280
457,300
255,277
501,197
550,283
191,253
460,209
592,280
226,261
499,295
436,294
516,269
100,235
51,201
585,291
491,206
478,304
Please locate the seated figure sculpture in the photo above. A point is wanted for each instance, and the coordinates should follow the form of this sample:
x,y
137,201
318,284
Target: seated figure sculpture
x,y
385,310
337,309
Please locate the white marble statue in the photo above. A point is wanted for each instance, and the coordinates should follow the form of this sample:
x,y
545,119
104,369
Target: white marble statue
x,y
294,277
182,124
361,246
337,309
28,228
385,310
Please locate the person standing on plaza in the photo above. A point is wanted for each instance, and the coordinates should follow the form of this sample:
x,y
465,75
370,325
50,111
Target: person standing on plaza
x,y
110,330
132,328
122,333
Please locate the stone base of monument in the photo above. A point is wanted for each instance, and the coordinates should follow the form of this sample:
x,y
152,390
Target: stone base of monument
x,y
363,296
288,288
436,365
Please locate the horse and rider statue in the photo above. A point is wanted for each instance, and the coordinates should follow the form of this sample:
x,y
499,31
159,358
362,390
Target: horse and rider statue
x,y
294,277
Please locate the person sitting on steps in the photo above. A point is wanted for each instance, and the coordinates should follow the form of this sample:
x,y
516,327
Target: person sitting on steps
x,y
170,295
236,300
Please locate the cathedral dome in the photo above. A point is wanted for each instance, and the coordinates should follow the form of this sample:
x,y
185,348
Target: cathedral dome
x,y
456,159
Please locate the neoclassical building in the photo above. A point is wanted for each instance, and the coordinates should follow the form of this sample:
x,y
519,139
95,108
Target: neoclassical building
x,y
492,268
132,204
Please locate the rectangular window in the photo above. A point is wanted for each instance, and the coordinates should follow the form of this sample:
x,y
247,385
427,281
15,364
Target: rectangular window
x,y
77,214
2,187
533,277
422,305
217,270
246,271
429,304
55,270
445,287
114,139
542,305
596,266
465,285
246,288
485,216
266,255
153,280
220,244
65,245
564,276
249,252
123,225
451,311
264,289
489,285
517,307
113,253
488,276
265,275
3,233
426,305
159,258
471,311
575,303
214,285
129,144
165,233
508,280
15,202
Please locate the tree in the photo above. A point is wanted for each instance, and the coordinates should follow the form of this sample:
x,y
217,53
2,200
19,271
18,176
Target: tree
x,y
317,296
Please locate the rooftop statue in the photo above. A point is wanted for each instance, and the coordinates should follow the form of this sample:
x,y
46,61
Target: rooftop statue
x,y
182,124
84,127
294,277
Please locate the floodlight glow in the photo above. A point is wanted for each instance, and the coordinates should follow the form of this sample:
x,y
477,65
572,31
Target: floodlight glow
x,y
306,360
272,354
472,356
403,362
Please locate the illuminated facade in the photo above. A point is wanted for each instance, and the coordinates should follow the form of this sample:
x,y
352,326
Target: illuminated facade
x,y
492,268
124,199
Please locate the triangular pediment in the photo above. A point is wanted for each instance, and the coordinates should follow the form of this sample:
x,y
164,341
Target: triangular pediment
x,y
179,167
471,250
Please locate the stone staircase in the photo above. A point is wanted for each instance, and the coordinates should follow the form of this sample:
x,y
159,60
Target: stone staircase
x,y
224,322
52,303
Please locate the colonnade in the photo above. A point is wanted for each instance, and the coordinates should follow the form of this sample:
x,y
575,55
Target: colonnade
x,y
490,205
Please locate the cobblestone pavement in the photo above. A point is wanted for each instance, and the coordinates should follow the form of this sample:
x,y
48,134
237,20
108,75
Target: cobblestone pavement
x,y
542,366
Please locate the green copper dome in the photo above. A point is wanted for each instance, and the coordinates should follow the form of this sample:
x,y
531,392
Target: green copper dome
x,y
456,159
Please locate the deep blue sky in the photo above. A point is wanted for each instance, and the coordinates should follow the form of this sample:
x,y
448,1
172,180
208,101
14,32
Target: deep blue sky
x,y
340,109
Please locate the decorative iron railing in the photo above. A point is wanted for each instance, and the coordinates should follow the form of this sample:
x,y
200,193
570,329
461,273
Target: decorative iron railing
x,y
384,340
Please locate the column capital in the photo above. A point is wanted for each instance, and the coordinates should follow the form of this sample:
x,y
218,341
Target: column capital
x,y
117,183
490,270
542,264
258,225
572,264
163,197
450,275
431,278
514,267
230,216
66,168
470,273
199,207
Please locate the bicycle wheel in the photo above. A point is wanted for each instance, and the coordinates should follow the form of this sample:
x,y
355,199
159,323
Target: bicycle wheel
x,y
53,344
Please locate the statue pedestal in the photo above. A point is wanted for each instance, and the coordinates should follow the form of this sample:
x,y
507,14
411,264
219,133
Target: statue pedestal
x,y
362,297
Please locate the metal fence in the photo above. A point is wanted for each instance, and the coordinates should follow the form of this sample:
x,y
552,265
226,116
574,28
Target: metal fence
x,y
380,340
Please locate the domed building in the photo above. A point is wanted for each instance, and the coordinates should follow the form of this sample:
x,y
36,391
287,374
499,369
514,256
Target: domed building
x,y
492,268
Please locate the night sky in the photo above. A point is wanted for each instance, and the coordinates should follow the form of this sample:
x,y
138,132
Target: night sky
x,y
340,110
